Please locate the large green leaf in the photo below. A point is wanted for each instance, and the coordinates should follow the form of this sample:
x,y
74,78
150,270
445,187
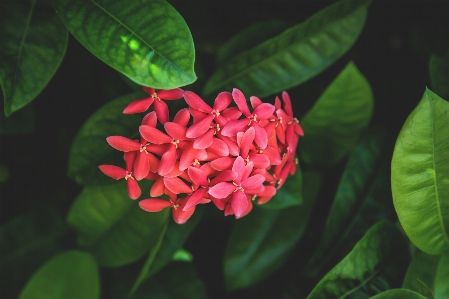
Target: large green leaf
x,y
146,40
334,123
378,257
431,271
295,55
33,44
250,37
173,239
398,294
439,74
25,243
353,191
261,242
73,274
90,149
113,227
289,195
420,174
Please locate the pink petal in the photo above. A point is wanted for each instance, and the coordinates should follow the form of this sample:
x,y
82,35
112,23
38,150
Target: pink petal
x,y
247,142
134,191
176,131
195,198
234,149
205,140
222,163
123,144
158,149
150,119
255,102
273,155
194,101
176,185
113,171
196,114
180,216
219,203
239,168
260,161
225,175
141,166
149,90
266,195
182,117
158,188
248,209
189,154
234,126
255,190
219,147
168,161
161,111
154,204
260,138
228,209
287,103
280,134
233,113
222,101
253,181
277,103
197,176
138,106
153,135
240,100
264,111
171,94
129,158
239,203
200,127
152,176
175,172
298,130
153,162
221,190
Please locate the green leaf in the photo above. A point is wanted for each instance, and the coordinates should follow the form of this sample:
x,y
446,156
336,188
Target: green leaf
x,y
182,255
289,195
398,294
34,42
431,271
439,74
72,274
177,280
113,227
295,55
380,253
261,241
353,191
333,125
147,40
25,243
90,149
20,122
250,37
420,174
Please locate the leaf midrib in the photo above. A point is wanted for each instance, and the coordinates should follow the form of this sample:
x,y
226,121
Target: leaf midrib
x,y
140,38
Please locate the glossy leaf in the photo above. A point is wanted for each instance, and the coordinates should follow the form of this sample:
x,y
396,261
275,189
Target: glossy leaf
x,y
250,37
381,251
354,189
439,75
335,122
290,194
90,149
113,227
72,274
261,241
420,175
172,240
295,55
148,41
25,243
431,271
399,294
177,280
34,42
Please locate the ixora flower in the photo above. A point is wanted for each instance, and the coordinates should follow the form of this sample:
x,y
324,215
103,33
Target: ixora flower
x,y
226,154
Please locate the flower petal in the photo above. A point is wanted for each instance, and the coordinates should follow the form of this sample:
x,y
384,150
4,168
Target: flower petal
x,y
194,101
222,163
171,94
113,171
239,203
195,198
253,181
149,90
150,119
219,147
247,141
223,176
138,106
129,158
134,191
221,190
197,176
240,100
175,172
234,126
205,140
182,117
180,216
233,113
176,131
255,102
154,204
239,168
260,161
200,127
261,138
222,101
158,188
153,135
161,111
141,166
266,195
168,161
123,144
188,156
264,111
287,103
176,185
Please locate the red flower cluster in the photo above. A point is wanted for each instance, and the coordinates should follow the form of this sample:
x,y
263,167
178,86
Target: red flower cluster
x,y
227,155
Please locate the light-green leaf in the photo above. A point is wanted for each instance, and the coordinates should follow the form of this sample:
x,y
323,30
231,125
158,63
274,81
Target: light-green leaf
x,y
295,55
380,253
420,174
334,123
33,44
439,74
90,149
398,294
113,227
70,275
147,40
